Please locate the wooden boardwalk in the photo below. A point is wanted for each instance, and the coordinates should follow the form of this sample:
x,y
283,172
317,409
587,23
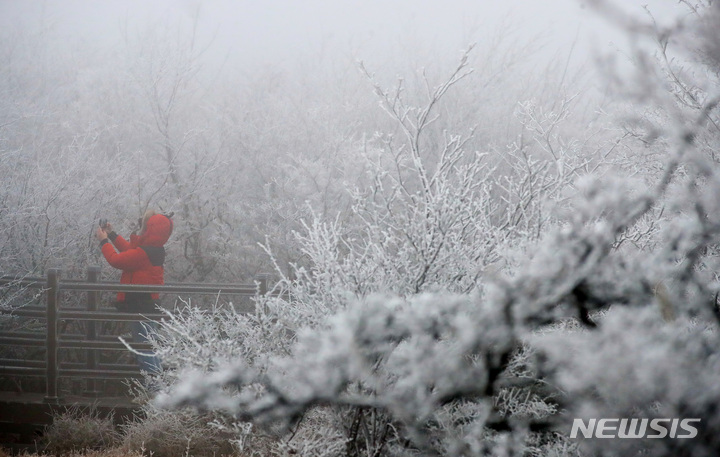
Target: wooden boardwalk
x,y
24,415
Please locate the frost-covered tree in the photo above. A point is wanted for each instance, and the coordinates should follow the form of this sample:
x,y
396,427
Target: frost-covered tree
x,y
426,220
585,326
54,186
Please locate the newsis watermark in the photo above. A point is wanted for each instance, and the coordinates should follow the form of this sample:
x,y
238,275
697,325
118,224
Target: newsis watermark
x,y
635,428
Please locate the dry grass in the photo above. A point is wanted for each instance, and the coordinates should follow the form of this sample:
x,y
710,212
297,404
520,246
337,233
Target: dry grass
x,y
113,452
182,433
79,430
176,434
83,433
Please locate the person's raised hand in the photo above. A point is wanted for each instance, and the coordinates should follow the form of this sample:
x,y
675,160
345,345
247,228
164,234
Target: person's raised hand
x,y
101,234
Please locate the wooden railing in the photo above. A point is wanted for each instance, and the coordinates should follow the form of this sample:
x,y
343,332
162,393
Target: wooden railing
x,y
53,286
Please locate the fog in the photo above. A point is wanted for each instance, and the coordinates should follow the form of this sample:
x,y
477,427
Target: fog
x,y
479,221
241,103
248,34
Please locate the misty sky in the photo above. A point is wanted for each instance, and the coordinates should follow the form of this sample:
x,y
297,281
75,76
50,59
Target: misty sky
x,y
250,33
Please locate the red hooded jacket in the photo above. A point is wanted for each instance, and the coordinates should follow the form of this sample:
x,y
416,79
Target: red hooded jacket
x,y
141,260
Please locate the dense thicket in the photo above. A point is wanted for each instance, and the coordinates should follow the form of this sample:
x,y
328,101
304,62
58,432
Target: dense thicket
x,y
479,311
240,157
467,267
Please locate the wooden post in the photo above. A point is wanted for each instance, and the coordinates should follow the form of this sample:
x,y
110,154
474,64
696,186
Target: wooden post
x,y
262,281
93,276
51,343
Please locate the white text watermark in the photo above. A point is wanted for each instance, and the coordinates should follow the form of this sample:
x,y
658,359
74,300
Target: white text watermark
x,y
635,428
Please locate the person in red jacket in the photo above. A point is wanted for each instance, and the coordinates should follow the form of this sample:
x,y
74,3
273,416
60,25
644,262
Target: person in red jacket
x,y
141,260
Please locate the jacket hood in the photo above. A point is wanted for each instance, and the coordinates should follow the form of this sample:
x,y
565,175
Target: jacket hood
x,y
158,231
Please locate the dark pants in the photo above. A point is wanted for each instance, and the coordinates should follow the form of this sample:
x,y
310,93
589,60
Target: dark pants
x,y
140,302
141,330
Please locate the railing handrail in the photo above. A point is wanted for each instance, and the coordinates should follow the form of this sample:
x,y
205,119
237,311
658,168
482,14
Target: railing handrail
x,y
110,286
239,289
